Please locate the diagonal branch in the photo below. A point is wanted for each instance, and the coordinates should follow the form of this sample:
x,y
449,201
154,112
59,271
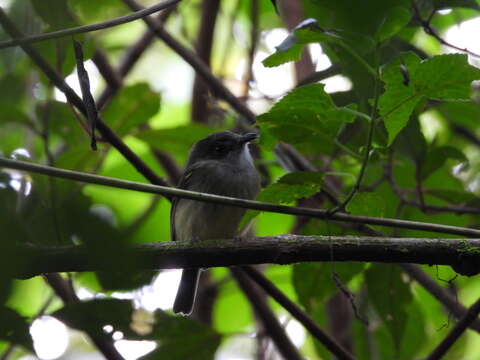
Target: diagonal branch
x,y
270,322
76,101
246,204
440,293
456,332
330,343
427,27
88,28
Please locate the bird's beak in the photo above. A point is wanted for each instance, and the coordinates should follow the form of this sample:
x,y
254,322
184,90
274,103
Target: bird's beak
x,y
248,137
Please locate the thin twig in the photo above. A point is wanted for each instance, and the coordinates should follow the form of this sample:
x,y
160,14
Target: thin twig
x,y
64,291
427,27
439,293
389,176
246,204
371,130
88,28
456,332
316,331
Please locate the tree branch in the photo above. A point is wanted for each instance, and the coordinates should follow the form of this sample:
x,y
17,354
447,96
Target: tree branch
x,y
88,28
203,47
281,249
427,27
65,292
270,323
455,333
247,204
330,343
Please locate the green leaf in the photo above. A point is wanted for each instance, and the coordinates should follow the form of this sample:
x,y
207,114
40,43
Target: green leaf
x,y
367,204
390,296
306,114
437,158
313,282
461,113
453,196
310,32
363,17
92,315
287,190
56,13
15,329
446,77
411,142
132,106
396,104
395,19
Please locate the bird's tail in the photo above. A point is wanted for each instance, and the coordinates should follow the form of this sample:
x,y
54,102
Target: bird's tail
x,y
186,292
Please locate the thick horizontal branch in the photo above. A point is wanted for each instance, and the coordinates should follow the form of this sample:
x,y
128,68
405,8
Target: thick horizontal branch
x,y
89,28
282,249
247,204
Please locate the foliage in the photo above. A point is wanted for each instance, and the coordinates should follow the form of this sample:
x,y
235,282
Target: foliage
x,y
421,101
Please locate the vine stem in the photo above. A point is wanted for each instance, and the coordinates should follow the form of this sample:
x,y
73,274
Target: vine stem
x,y
88,28
373,121
247,204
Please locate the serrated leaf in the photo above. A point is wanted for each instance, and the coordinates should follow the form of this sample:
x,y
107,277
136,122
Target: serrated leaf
x,y
395,19
305,115
309,32
446,77
396,104
286,190
391,297
132,106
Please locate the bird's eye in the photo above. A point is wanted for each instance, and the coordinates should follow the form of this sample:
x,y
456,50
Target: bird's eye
x,y
219,148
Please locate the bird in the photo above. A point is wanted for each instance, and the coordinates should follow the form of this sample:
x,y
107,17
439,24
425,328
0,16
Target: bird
x,y
219,164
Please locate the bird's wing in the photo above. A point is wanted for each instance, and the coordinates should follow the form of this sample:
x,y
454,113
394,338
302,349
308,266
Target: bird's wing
x,y
183,184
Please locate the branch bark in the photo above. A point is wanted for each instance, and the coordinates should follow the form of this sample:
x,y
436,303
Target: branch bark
x,y
281,249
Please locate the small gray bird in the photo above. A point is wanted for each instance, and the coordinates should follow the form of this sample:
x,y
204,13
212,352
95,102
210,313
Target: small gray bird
x,y
220,164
